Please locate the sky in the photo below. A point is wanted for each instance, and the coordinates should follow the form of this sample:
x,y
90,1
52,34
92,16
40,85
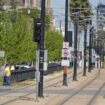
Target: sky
x,y
59,10
58,7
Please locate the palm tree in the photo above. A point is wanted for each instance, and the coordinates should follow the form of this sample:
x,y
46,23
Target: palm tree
x,y
82,9
80,12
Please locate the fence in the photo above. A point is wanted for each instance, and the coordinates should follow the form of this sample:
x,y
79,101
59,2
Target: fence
x,y
23,74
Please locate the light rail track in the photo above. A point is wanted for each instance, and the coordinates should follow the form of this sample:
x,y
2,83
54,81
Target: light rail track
x,y
71,96
96,94
30,90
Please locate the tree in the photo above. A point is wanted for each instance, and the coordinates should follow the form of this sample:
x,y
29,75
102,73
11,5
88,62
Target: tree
x,y
53,43
82,9
16,38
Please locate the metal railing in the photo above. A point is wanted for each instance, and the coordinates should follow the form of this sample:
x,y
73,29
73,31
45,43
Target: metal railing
x,y
23,74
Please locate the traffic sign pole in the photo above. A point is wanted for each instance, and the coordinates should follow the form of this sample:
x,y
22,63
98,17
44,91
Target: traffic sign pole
x,y
85,42
41,52
75,49
66,40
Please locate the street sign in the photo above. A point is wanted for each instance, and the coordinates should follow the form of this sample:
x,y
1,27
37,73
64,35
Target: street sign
x,y
101,9
2,53
65,63
65,52
45,66
65,44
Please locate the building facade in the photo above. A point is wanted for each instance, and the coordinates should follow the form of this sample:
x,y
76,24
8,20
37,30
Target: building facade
x,y
31,4
28,3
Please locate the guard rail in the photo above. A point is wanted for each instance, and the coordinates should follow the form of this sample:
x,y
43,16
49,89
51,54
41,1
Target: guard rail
x,y
23,74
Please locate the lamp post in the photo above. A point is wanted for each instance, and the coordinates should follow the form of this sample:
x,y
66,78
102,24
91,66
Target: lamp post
x,y
75,47
90,49
85,52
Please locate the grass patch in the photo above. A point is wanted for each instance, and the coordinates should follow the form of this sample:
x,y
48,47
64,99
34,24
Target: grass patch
x,y
23,83
1,81
18,84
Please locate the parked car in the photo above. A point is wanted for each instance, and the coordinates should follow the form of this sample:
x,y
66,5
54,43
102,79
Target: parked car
x,y
22,66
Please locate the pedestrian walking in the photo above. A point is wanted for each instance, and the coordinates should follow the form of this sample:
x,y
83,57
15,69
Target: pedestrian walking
x,y
3,73
12,68
7,75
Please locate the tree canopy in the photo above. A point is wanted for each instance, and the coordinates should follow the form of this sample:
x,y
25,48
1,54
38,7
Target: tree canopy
x,y
53,43
16,37
81,9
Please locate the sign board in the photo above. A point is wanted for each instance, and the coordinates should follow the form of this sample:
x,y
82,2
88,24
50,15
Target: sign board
x,y
45,55
65,44
65,63
45,66
37,75
2,53
65,52
101,9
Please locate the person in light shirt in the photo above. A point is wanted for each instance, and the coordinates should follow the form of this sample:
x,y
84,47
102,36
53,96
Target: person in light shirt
x,y
12,68
7,75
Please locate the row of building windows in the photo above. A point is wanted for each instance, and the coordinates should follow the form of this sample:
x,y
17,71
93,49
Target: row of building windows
x,y
28,3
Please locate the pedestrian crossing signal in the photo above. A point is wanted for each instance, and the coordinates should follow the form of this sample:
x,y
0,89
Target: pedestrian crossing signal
x,y
37,30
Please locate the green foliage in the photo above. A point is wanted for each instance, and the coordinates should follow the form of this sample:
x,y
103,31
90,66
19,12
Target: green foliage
x,y
83,10
16,37
16,40
13,4
31,13
54,44
1,81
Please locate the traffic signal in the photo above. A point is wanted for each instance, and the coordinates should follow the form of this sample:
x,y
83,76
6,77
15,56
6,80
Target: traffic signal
x,y
37,30
70,38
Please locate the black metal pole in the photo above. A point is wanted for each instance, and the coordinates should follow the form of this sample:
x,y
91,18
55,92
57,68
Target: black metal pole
x,y
60,25
97,52
85,42
90,50
100,55
41,51
75,49
66,40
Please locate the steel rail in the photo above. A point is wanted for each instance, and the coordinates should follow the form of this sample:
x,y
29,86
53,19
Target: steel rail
x,y
96,94
12,100
74,94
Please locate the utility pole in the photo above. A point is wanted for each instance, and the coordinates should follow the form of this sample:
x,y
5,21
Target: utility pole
x,y
100,55
75,47
65,40
41,49
85,43
90,49
60,25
